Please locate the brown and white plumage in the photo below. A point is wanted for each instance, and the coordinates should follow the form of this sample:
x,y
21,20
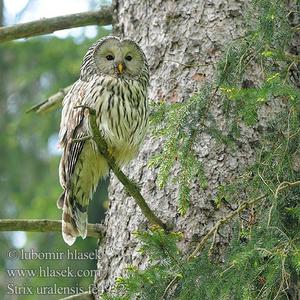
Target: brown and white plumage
x,y
113,80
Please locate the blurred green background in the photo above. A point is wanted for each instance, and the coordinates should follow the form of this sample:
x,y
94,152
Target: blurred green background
x,y
31,71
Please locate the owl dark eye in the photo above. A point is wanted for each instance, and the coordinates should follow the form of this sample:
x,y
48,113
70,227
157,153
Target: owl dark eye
x,y
109,57
128,57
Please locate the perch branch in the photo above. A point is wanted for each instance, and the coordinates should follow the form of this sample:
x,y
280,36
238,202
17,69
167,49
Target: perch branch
x,y
94,230
52,102
130,186
44,26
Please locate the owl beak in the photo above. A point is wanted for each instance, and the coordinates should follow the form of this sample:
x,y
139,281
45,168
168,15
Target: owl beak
x,y
120,68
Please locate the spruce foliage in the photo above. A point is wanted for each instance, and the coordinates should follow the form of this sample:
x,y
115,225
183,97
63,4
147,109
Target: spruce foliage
x,y
262,260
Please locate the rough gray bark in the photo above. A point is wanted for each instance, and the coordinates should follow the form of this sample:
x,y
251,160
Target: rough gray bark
x,y
182,40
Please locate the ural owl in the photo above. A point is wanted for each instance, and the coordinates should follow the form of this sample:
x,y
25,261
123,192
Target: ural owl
x,y
114,78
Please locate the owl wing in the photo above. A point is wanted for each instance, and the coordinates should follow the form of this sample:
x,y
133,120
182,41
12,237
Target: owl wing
x,y
71,117
72,127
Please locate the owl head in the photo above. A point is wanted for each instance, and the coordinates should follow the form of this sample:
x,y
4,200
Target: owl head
x,y
121,58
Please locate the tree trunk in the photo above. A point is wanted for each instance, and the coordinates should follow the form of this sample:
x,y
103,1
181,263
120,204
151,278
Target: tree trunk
x,y
182,40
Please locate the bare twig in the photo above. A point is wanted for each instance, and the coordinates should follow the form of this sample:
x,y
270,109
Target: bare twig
x,y
43,225
52,102
283,185
44,26
172,282
130,186
211,248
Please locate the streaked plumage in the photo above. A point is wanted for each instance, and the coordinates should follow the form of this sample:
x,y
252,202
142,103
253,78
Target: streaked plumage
x,y
113,80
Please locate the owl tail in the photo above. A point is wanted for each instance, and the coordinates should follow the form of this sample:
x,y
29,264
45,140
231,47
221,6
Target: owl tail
x,y
74,219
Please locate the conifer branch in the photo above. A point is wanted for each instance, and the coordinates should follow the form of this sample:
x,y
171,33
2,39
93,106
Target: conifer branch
x,y
52,102
44,26
283,185
130,186
223,221
44,225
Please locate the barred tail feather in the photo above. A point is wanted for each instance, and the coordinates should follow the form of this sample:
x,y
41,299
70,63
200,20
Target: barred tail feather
x,y
74,219
69,230
80,217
